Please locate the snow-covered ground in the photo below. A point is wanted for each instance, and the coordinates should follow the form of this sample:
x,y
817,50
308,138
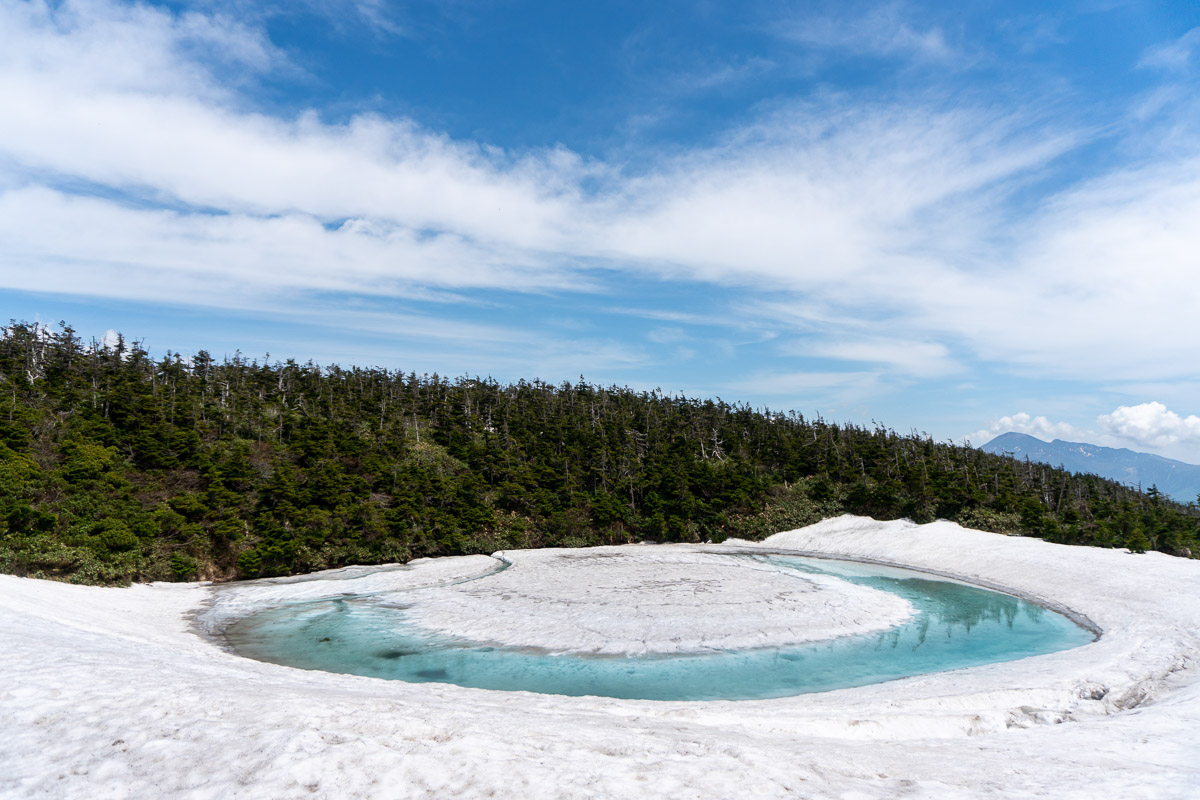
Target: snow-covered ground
x,y
113,693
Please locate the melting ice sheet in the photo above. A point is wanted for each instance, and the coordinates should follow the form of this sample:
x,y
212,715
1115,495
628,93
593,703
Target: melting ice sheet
x,y
956,626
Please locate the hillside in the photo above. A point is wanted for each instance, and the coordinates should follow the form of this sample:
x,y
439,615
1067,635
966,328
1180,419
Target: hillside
x,y
116,467
1176,479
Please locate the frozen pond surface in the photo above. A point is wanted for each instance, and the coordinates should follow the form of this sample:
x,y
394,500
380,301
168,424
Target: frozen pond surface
x,y
950,626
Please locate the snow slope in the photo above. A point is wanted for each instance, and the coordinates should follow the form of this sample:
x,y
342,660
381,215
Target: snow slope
x,y
112,693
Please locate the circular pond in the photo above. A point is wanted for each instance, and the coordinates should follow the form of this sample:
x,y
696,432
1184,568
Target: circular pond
x,y
736,627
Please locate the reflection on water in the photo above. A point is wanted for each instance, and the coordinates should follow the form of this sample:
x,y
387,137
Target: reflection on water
x,y
950,609
955,626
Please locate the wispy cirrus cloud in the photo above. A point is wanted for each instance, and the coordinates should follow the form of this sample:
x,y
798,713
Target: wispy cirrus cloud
x,y
1175,55
851,387
901,237
1103,274
232,258
908,358
782,200
885,30
384,18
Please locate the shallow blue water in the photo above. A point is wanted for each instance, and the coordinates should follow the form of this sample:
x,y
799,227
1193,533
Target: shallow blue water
x,y
955,626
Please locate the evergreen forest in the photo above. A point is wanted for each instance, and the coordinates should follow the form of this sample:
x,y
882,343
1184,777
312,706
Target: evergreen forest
x,y
116,467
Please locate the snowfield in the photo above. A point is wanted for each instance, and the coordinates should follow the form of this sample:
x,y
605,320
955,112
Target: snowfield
x,y
117,693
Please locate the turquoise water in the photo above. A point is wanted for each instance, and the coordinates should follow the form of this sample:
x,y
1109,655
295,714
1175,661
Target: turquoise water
x,y
955,626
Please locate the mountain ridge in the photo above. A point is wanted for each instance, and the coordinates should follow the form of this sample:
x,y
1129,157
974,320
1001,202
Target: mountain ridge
x,y
1178,480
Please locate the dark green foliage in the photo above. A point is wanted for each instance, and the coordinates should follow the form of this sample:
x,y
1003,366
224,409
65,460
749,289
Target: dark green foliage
x,y
114,467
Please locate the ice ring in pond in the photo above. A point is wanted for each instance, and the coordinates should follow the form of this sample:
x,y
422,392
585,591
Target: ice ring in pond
x,y
673,625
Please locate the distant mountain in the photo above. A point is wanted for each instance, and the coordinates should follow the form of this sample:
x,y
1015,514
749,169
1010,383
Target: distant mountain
x,y
1176,479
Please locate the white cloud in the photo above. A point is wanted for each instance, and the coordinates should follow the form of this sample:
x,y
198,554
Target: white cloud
x,y
1152,425
1039,427
708,76
801,388
377,14
381,17
83,45
916,359
849,200
235,259
663,315
883,30
1102,287
667,335
1031,33
1174,55
120,97
1148,427
883,231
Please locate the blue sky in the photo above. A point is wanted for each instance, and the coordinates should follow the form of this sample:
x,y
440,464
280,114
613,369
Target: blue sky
x,y
955,220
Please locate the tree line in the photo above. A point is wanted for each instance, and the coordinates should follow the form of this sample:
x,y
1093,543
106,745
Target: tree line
x,y
116,467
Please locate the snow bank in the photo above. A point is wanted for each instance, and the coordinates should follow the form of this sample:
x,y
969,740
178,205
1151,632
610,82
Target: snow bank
x,y
111,693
